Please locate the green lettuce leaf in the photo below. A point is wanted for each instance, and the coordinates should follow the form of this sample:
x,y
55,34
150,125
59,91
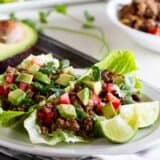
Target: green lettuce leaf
x,y
120,61
9,118
58,136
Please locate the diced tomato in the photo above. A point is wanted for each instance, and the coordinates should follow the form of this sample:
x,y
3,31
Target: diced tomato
x,y
154,30
48,118
64,99
38,60
9,78
45,117
4,90
110,87
99,108
41,115
96,99
114,100
23,86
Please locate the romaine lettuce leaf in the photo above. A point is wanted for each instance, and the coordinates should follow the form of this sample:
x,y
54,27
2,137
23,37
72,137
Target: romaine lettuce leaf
x,y
9,118
58,136
120,61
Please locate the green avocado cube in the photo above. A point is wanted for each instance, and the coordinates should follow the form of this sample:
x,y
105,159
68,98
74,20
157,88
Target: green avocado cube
x,y
68,70
84,96
16,97
67,111
64,79
39,76
24,77
108,110
96,86
33,68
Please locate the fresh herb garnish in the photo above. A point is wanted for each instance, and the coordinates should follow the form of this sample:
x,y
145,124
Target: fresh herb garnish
x,y
87,24
88,16
48,68
13,87
64,63
52,87
96,74
81,115
62,9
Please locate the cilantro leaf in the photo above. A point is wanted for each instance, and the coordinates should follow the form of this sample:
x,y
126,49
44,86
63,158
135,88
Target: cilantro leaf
x,y
62,9
43,17
64,63
88,26
88,16
96,74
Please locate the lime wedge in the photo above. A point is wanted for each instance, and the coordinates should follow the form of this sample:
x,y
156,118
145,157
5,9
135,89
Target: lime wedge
x,y
147,113
129,114
117,130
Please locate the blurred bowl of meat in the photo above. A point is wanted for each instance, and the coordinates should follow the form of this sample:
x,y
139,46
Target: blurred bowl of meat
x,y
140,19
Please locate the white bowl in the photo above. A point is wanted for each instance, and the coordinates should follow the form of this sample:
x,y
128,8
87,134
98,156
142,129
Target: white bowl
x,y
146,40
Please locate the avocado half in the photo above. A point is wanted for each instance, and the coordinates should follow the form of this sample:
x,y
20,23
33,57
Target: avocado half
x,y
13,53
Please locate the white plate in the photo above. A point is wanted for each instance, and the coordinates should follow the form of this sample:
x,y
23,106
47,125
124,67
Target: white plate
x,y
146,40
145,138
32,4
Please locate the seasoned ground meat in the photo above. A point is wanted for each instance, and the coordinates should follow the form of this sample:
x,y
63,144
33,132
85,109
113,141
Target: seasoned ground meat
x,y
87,127
44,130
143,15
72,124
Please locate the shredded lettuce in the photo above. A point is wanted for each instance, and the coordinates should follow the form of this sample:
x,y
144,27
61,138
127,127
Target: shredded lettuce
x,y
58,136
120,61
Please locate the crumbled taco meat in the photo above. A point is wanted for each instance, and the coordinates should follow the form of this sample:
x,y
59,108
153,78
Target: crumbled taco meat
x,y
143,15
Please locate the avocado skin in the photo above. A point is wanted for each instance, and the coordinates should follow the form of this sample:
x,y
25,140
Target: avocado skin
x,y
19,56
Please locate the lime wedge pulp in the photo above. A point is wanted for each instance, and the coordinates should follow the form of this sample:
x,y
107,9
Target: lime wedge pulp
x,y
117,130
146,112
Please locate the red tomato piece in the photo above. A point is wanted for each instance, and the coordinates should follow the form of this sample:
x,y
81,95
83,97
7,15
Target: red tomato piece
x,y
41,115
64,99
154,30
114,100
23,86
4,90
9,78
48,118
110,87
96,99
99,108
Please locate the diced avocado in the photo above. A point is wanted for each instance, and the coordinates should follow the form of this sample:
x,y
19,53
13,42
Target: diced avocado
x,y
68,70
84,95
108,110
67,111
42,77
96,86
16,97
11,49
24,77
33,68
64,79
